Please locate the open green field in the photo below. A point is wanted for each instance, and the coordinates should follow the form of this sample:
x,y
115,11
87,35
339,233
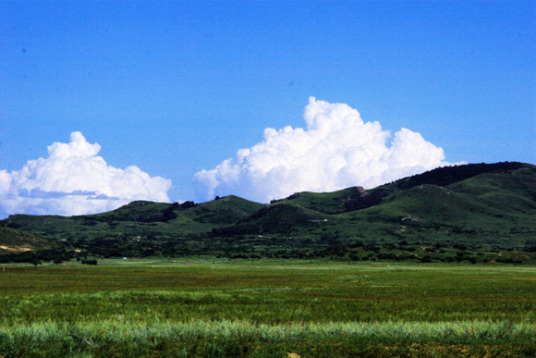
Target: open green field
x,y
266,308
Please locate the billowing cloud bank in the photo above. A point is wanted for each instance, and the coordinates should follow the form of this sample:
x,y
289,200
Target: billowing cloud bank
x,y
335,151
73,180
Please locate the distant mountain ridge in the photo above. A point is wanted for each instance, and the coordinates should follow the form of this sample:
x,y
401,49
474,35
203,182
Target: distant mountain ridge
x,y
482,206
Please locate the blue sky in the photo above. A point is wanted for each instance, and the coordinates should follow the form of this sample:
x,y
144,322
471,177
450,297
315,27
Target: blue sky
x,y
177,87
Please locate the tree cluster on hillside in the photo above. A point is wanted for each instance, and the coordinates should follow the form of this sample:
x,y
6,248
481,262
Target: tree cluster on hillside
x,y
444,176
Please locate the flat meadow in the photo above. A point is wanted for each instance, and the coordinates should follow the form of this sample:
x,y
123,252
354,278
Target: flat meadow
x,y
266,308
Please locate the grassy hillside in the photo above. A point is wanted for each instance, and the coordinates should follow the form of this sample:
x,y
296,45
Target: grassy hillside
x,y
223,211
350,199
487,208
15,241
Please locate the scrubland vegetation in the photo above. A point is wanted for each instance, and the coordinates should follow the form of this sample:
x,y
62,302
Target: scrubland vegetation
x,y
266,308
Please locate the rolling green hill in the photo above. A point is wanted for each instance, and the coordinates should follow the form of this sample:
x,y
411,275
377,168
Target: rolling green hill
x,y
488,209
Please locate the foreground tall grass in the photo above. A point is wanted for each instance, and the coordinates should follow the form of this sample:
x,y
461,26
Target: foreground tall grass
x,y
266,309
240,338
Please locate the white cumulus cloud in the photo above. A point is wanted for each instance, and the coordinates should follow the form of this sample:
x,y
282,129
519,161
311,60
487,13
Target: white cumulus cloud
x,y
74,180
336,150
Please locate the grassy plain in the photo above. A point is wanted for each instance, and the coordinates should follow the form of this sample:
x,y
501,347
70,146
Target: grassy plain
x,y
270,308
